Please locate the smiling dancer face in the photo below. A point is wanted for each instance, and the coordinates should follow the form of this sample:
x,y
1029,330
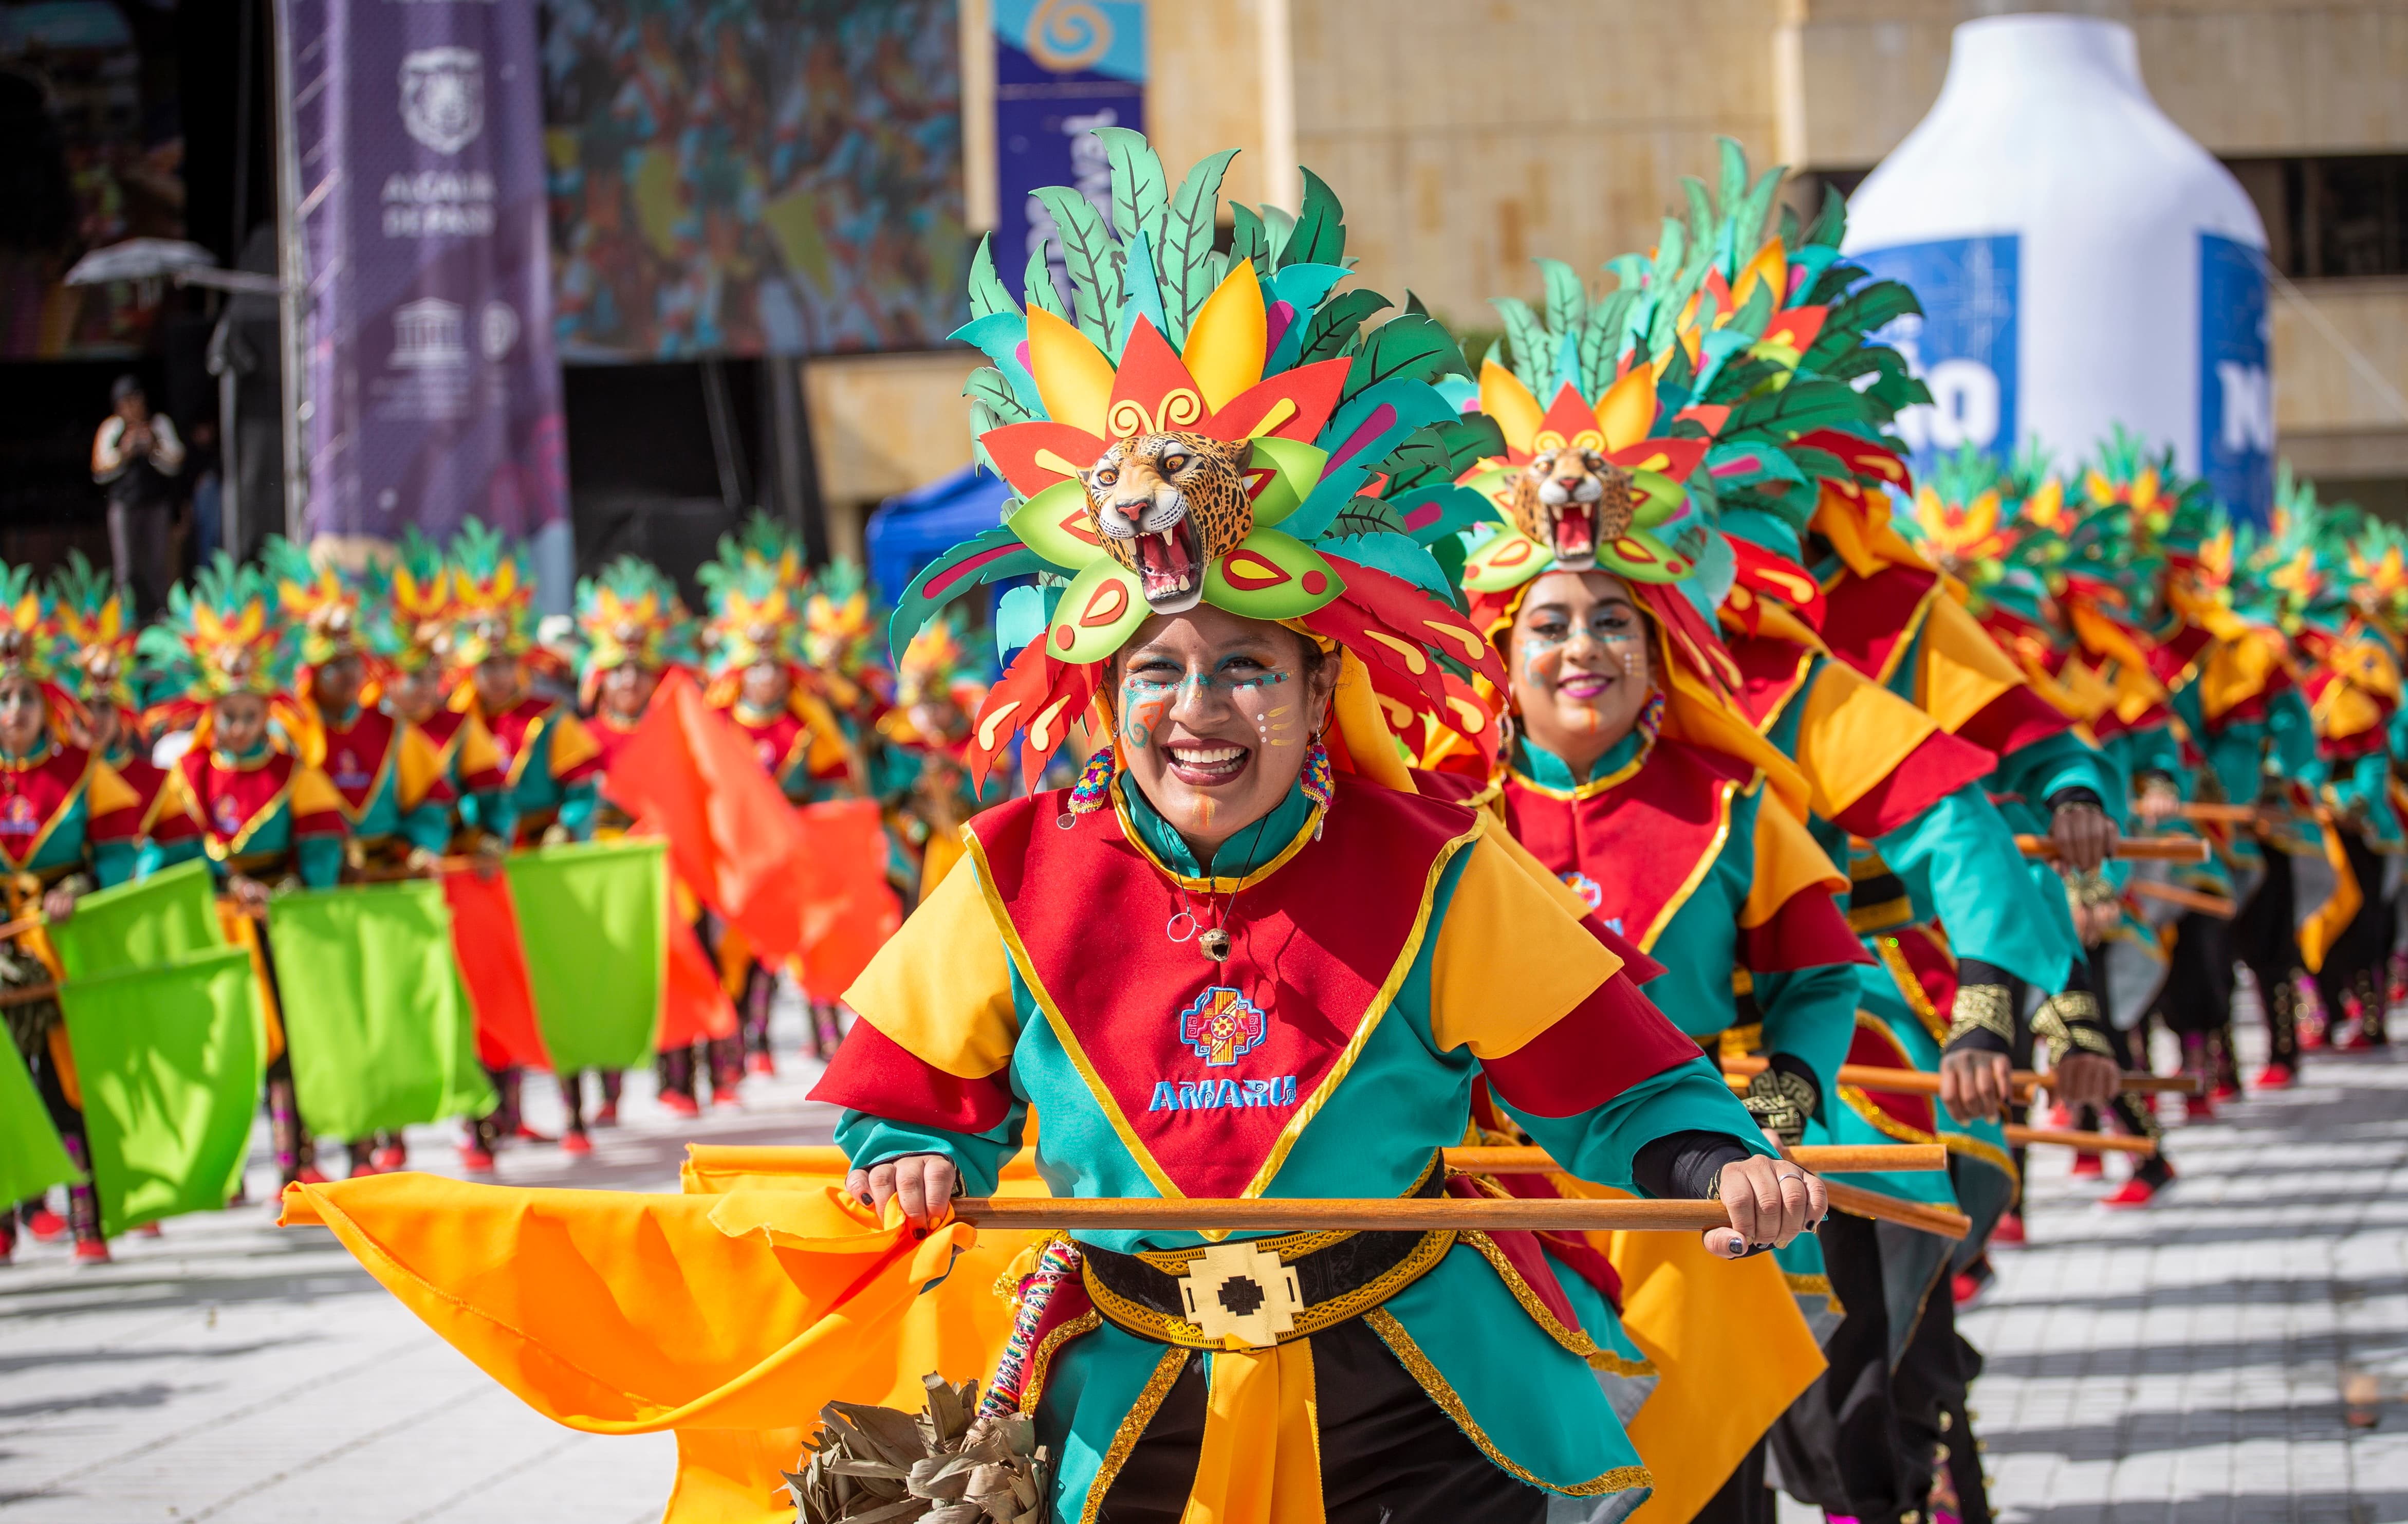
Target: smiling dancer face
x,y
1580,664
1215,713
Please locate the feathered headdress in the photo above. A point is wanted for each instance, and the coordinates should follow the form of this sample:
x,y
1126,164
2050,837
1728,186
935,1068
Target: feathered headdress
x,y
628,614
1317,459
317,606
841,631
493,593
755,588
407,606
95,657
221,636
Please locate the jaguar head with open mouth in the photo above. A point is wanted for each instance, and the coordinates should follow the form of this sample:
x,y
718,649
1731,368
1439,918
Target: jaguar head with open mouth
x,y
1164,505
1572,500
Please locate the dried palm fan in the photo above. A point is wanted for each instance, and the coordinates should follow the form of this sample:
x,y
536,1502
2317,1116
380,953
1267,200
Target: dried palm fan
x,y
947,1465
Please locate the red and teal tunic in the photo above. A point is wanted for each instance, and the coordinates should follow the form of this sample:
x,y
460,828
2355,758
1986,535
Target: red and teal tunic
x,y
551,768
63,810
262,815
390,779
1387,956
472,764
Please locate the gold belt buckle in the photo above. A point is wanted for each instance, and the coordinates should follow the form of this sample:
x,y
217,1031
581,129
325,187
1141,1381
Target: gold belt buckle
x,y
1239,1291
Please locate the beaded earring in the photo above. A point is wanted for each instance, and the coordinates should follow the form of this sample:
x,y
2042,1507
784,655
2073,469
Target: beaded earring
x,y
1317,780
1094,789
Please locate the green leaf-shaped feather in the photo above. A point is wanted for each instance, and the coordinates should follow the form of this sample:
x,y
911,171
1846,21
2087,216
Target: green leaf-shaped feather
x,y
1249,240
1320,235
1334,322
1416,348
1566,298
1090,257
1039,285
1270,575
1534,356
1140,191
1185,254
988,388
1100,609
988,295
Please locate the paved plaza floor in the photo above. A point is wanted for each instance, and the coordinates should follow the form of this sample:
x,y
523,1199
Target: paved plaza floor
x,y
2237,1353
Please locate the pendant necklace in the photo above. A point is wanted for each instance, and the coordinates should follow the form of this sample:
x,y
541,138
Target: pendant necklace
x,y
1214,941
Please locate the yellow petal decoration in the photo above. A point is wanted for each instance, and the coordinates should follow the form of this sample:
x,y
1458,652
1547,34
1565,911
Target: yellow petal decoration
x,y
1225,343
1626,412
1073,379
1504,398
1769,265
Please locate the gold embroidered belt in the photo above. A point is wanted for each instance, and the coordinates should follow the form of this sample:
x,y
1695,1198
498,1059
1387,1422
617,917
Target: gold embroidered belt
x,y
1256,1293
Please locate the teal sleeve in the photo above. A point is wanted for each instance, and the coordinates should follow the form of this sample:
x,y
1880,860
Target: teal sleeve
x,y
2061,761
113,862
980,1156
1960,862
578,803
1811,1015
429,828
318,861
2292,731
2396,731
155,855
1598,1144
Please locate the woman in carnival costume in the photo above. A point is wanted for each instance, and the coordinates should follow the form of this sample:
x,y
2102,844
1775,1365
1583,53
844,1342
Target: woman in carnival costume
x,y
630,628
410,622
752,641
1632,775
260,816
97,666
550,762
395,798
2349,676
67,826
1311,952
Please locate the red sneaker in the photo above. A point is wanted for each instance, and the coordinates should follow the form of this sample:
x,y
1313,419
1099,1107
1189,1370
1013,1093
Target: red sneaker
x,y
678,1104
608,1117
2088,1166
2135,1192
528,1134
2273,1077
149,1229
46,1226
2010,1228
1965,1287
391,1158
2198,1109
312,1175
2356,1042
761,1063
92,1251
475,1159
725,1096
576,1144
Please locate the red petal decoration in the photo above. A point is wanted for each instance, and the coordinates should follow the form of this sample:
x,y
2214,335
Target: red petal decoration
x,y
1675,458
1016,446
1312,389
1152,390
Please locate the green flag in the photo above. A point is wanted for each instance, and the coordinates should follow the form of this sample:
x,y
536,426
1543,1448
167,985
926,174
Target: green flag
x,y
375,1019
171,914
594,919
32,1159
169,1060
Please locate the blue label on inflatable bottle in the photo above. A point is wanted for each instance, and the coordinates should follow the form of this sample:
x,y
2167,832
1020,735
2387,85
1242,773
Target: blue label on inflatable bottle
x,y
1963,346
2236,397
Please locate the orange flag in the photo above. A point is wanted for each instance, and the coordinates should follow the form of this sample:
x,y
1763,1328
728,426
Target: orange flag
x,y
694,1005
492,965
690,775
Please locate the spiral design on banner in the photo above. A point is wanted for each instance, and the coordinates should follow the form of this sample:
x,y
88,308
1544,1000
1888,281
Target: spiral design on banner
x,y
1066,35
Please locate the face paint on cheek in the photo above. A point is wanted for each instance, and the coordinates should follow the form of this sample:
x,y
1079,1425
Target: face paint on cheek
x,y
1142,717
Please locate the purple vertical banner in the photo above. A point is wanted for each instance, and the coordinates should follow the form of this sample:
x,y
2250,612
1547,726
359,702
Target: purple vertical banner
x,y
433,392
1062,69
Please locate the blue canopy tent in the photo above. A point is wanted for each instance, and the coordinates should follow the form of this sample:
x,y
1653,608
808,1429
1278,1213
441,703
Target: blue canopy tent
x,y
905,533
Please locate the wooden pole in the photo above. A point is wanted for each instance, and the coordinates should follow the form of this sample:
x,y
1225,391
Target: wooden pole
x,y
1821,1160
1856,1201
2163,849
1914,1082
2174,893
1416,1213
28,995
2091,1143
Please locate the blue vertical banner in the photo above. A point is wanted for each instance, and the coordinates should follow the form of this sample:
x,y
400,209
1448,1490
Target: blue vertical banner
x,y
1062,69
1963,346
2236,397
433,389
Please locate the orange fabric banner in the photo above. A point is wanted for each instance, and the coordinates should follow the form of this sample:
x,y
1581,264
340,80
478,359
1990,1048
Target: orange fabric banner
x,y
853,909
492,966
808,882
694,1006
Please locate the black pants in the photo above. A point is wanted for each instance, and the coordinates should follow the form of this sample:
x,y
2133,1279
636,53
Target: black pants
x,y
140,542
2264,940
1388,1454
2359,963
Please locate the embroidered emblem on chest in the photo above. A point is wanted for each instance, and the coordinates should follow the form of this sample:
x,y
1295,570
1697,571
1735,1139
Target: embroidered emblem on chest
x,y
1592,893
18,817
347,775
1222,1026
227,816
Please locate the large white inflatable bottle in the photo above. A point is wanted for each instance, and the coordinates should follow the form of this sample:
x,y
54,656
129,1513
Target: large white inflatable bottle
x,y
2080,262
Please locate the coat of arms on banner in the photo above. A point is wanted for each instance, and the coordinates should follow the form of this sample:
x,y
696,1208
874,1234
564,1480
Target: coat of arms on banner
x,y
443,97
